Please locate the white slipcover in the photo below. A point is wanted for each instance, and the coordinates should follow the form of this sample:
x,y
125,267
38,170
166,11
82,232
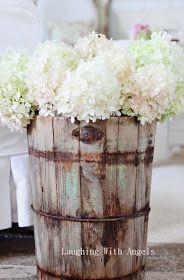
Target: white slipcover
x,y
19,28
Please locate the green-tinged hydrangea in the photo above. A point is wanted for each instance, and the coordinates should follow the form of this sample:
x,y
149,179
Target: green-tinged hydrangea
x,y
160,50
16,109
157,50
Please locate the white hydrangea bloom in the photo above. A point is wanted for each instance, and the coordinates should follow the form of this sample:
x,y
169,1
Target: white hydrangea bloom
x,y
160,50
119,61
149,92
93,44
16,109
90,92
156,50
47,70
117,58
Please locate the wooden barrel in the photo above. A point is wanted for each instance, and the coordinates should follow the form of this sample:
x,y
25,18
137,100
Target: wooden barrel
x,y
91,193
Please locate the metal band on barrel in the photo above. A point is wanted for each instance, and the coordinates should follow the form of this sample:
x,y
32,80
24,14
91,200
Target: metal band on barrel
x,y
143,212
51,274
134,157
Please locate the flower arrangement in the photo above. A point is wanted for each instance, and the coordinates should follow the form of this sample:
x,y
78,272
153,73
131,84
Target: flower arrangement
x,y
93,80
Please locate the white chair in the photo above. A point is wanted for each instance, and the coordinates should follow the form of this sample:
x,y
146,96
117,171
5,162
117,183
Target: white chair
x,y
67,20
19,28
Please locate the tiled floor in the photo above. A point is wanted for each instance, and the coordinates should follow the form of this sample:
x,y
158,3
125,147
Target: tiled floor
x,y
17,261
